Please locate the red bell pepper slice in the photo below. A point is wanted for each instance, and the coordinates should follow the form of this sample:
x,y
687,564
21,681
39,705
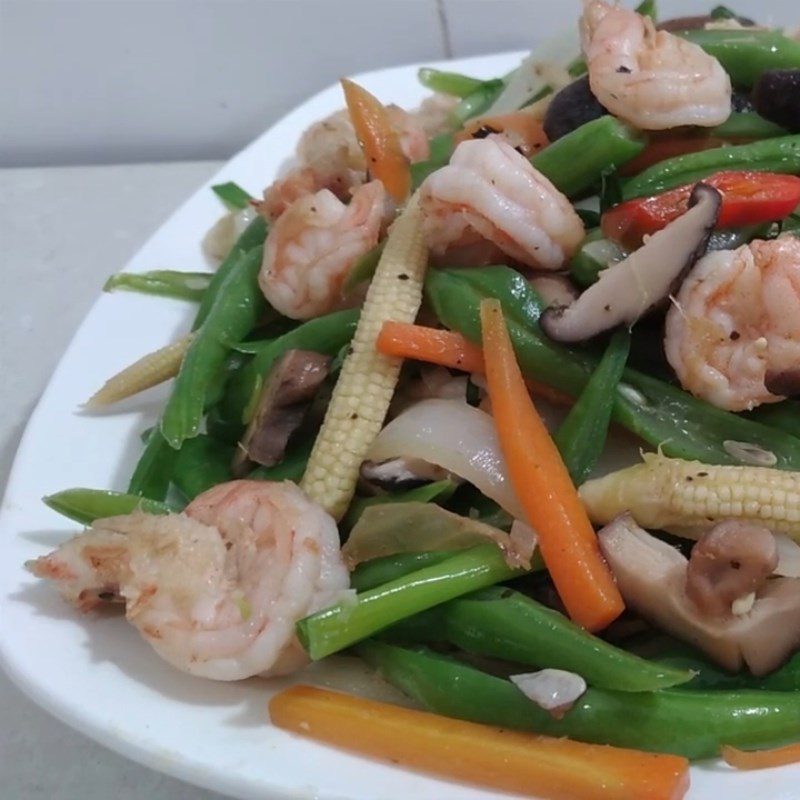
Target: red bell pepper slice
x,y
748,198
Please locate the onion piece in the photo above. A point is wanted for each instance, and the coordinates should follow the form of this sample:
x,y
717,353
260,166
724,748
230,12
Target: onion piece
x,y
788,556
219,240
455,436
554,690
389,528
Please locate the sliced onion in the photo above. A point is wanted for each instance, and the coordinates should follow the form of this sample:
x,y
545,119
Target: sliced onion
x,y
554,690
455,436
788,556
389,528
219,240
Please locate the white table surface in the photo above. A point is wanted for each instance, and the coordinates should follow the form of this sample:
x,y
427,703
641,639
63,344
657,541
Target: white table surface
x,y
63,231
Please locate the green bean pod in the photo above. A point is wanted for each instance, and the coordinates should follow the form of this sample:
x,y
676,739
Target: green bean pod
x,y
343,625
441,148
780,154
747,125
202,463
377,571
478,101
153,472
582,436
658,412
575,162
745,53
87,505
162,283
451,83
683,722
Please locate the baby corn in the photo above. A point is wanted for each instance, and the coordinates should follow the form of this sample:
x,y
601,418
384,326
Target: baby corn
x,y
687,497
149,370
368,378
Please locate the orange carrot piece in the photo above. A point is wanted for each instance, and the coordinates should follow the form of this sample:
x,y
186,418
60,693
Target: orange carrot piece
x,y
436,346
761,759
448,349
543,485
521,130
560,769
378,140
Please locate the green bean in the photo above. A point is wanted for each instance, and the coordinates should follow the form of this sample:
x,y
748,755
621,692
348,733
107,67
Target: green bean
x,y
153,472
202,463
745,53
659,413
478,101
747,125
576,161
441,148
232,195
326,334
582,436
781,154
593,256
252,236
647,8
684,722
87,505
504,624
161,282
238,305
437,491
336,628
784,416
451,83
377,571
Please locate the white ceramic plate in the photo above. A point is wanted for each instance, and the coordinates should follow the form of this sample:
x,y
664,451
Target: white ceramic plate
x,y
96,674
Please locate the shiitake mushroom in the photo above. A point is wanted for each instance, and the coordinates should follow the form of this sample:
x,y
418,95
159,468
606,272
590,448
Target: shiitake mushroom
x,y
776,96
573,106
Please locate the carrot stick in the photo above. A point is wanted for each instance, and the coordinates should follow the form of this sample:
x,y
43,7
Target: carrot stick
x,y
543,485
760,759
512,761
447,349
378,140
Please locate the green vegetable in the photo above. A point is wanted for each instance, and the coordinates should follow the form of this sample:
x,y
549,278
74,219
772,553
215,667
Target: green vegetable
x,y
721,12
162,282
746,53
326,334
87,505
232,195
784,416
661,414
236,310
363,269
336,628
593,256
684,722
504,624
582,436
647,8
747,125
377,571
450,83
478,101
575,162
780,154
438,491
202,463
441,148
252,236
153,472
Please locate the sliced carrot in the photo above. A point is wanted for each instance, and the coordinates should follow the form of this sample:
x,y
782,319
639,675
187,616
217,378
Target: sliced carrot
x,y
500,759
520,128
378,140
761,759
448,349
543,485
436,346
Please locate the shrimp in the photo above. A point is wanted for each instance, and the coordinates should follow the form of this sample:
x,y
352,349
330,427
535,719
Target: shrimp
x,y
489,193
330,158
218,589
733,333
652,79
313,246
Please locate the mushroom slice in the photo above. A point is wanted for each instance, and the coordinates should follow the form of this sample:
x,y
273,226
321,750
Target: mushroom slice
x,y
554,290
626,291
397,474
652,578
288,391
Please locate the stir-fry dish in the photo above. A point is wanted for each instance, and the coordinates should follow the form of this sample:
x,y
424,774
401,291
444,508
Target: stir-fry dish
x,y
495,395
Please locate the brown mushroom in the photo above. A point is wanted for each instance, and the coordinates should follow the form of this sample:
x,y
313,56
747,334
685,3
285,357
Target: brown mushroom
x,y
554,290
285,397
652,577
697,23
729,562
628,290
785,383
